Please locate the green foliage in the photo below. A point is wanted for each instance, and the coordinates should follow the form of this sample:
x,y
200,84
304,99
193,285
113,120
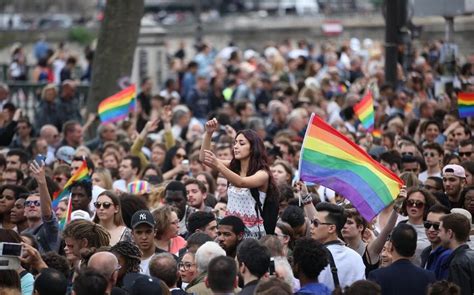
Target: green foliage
x,y
81,35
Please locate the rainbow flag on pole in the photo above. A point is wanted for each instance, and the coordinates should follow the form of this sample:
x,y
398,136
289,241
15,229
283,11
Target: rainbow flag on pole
x,y
466,104
365,111
116,107
81,174
330,159
66,218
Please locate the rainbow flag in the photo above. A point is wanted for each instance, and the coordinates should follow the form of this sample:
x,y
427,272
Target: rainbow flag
x,y
66,218
466,104
365,111
81,174
377,133
116,107
330,159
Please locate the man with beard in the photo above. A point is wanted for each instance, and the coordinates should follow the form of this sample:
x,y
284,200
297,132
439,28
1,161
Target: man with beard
x,y
175,195
434,257
230,232
454,180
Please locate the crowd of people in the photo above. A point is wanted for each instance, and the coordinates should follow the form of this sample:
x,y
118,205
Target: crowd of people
x,y
198,191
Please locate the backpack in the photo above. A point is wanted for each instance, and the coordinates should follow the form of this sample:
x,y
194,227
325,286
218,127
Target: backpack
x,y
268,212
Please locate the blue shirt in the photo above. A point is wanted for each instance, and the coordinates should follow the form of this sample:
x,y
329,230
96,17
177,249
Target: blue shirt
x,y
436,262
314,288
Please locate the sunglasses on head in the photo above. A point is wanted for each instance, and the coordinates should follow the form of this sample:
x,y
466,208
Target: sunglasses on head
x,y
415,203
32,203
428,225
106,205
465,154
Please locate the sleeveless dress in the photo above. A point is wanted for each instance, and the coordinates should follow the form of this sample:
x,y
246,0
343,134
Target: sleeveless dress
x,y
240,203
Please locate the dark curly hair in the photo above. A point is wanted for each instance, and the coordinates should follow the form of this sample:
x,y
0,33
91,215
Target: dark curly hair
x,y
58,262
310,257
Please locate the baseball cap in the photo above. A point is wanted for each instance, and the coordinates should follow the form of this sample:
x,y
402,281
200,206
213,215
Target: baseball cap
x,y
464,212
80,214
454,170
65,153
142,216
136,283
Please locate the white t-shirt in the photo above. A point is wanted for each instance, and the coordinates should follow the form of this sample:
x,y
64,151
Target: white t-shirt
x,y
120,185
421,243
144,266
349,264
423,176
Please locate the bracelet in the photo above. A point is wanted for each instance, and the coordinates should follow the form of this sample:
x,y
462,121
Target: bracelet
x,y
308,198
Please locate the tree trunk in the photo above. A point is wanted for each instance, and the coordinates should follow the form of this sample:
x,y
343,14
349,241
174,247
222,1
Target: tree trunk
x,y
113,58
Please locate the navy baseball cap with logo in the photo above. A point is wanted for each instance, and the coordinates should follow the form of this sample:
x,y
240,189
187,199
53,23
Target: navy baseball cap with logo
x,y
142,216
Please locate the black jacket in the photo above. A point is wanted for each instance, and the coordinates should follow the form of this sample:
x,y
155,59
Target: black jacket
x,y
461,269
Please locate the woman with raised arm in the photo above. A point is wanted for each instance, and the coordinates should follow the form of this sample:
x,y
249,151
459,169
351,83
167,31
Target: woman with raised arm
x,y
247,170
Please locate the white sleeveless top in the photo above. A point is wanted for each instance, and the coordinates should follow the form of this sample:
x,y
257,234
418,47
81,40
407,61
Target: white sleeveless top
x,y
240,203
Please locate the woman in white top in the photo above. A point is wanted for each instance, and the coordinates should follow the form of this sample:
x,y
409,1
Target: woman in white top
x,y
248,169
109,214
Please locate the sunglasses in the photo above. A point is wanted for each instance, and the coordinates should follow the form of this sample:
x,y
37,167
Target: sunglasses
x,y
428,225
180,156
415,203
106,205
32,203
467,154
317,223
407,154
429,155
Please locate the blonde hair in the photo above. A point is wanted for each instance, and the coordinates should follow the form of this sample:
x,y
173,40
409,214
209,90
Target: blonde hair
x,y
162,218
105,177
48,87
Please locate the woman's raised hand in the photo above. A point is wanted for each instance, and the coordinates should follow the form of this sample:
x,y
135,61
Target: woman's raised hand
x,y
210,159
211,126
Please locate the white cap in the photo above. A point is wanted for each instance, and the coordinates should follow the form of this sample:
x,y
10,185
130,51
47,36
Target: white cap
x,y
464,212
80,214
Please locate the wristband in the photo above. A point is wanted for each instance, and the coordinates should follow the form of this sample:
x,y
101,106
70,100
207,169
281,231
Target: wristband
x,y
308,198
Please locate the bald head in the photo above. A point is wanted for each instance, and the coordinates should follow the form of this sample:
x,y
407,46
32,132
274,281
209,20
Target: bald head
x,y
104,262
50,134
164,267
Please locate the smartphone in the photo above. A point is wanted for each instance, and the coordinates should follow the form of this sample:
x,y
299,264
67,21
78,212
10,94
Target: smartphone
x,y
40,159
10,249
271,268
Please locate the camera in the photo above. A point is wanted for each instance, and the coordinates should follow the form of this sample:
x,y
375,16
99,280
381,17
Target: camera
x,y
10,249
10,255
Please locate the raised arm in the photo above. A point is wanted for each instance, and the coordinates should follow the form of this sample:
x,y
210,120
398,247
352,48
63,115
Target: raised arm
x,y
210,126
259,179
45,199
375,247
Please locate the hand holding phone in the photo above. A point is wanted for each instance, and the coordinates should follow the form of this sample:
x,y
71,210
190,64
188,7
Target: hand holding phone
x,y
39,159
